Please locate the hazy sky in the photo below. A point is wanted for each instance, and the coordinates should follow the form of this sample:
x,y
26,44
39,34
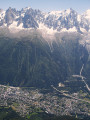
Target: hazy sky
x,y
47,5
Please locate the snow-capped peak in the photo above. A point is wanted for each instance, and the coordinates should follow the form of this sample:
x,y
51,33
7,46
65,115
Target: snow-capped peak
x,y
55,12
25,9
87,14
2,14
68,11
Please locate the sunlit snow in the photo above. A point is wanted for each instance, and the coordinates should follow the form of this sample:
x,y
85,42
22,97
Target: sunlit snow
x,y
69,30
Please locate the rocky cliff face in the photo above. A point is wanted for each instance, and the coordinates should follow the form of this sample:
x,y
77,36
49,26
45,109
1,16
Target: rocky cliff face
x,y
32,61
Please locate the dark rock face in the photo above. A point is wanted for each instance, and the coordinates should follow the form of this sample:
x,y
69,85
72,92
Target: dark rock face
x,y
30,61
29,22
10,16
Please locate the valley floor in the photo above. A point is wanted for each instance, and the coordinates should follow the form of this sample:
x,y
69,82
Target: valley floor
x,y
51,101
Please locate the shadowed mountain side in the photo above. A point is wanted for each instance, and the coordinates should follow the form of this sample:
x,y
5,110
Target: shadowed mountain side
x,y
34,61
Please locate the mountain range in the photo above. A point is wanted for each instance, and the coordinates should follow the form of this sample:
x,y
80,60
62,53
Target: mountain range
x,y
62,21
40,49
